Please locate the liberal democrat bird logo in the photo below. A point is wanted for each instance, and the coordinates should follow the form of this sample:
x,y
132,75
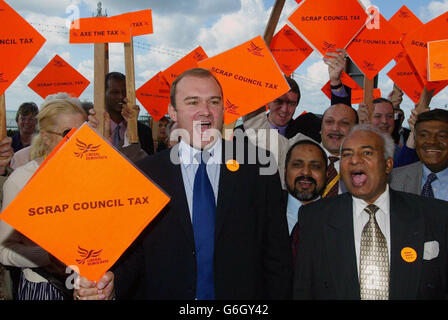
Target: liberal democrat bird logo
x,y
87,254
84,148
254,49
327,46
231,108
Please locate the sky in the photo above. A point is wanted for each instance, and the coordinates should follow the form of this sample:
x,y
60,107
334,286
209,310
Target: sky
x,y
179,27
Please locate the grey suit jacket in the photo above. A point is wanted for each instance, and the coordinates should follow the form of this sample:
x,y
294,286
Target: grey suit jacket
x,y
407,178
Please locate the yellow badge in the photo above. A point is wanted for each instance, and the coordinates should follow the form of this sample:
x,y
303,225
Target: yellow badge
x,y
408,254
232,165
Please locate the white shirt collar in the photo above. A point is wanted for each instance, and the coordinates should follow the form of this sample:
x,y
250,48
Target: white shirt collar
x,y
187,153
382,203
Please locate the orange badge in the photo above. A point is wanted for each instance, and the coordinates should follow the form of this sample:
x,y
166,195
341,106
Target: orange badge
x,y
141,21
408,254
416,45
100,30
406,78
232,165
372,49
249,76
328,24
438,60
189,61
289,50
19,43
92,212
404,21
58,76
154,95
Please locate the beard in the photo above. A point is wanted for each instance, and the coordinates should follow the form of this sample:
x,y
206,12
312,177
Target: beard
x,y
305,195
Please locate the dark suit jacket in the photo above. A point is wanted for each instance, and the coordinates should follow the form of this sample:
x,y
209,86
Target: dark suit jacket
x,y
145,137
252,252
326,266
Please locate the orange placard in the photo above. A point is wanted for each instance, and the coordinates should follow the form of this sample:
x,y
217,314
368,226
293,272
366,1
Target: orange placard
x,y
100,30
404,75
327,24
416,45
141,21
189,61
404,21
346,80
249,76
438,60
89,206
372,49
358,95
58,76
154,95
289,50
19,43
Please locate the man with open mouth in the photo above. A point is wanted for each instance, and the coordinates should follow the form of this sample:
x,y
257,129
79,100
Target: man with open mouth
x,y
371,243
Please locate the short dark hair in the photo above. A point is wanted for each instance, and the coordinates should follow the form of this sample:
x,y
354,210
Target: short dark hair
x,y
194,72
27,108
309,142
431,115
294,87
350,107
383,100
115,76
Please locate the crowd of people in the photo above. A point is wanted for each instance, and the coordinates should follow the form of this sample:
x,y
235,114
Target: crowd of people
x,y
356,207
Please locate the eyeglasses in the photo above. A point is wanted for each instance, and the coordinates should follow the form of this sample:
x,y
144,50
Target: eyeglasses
x,y
63,134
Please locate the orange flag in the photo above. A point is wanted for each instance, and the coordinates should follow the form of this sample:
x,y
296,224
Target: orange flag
x,y
404,21
416,45
19,43
329,24
58,76
358,95
249,76
189,61
289,50
91,212
154,95
100,30
372,49
438,60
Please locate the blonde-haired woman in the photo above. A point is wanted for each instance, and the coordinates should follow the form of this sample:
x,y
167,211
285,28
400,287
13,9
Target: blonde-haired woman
x,y
56,118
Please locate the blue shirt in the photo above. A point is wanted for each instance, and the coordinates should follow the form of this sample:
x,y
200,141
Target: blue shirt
x,y
440,185
189,165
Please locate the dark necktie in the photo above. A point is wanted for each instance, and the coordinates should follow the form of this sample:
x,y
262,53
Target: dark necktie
x,y
332,175
374,260
204,211
118,142
427,187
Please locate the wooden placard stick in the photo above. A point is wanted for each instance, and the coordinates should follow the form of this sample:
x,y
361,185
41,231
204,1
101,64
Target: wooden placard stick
x,y
2,117
425,100
130,90
368,94
268,35
99,88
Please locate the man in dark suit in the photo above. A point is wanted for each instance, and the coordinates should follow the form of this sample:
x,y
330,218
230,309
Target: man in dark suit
x,y
245,253
115,99
372,242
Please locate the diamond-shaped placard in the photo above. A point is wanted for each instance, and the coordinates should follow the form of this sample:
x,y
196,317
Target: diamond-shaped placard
x,y
89,217
289,50
328,24
187,62
154,95
372,49
19,43
249,76
59,76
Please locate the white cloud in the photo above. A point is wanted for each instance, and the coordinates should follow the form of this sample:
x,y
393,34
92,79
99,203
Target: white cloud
x,y
433,10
